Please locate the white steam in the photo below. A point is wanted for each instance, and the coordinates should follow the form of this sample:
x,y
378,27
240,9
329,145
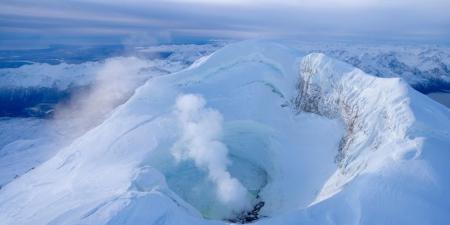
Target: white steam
x,y
115,81
201,129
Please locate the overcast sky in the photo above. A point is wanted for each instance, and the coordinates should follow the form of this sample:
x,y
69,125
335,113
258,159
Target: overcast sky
x,y
39,23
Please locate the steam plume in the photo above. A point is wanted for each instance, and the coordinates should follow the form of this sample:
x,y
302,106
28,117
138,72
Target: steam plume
x,y
200,141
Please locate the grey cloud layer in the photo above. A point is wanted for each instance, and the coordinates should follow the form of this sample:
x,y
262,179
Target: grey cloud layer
x,y
113,21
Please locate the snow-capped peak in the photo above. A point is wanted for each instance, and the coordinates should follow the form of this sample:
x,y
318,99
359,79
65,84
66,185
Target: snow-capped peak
x,y
311,140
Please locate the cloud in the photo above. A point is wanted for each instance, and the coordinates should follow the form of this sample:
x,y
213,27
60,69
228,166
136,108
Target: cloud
x,y
115,20
201,129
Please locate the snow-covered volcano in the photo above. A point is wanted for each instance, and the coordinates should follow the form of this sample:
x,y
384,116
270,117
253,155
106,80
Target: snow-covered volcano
x,y
255,132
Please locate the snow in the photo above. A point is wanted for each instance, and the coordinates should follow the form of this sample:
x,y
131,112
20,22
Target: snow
x,y
22,144
315,139
381,125
66,75
425,67
27,142
441,97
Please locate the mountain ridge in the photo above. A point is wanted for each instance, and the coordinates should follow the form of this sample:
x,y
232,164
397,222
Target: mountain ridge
x,y
284,118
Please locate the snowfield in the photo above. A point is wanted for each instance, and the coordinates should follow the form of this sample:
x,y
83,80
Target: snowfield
x,y
255,132
62,101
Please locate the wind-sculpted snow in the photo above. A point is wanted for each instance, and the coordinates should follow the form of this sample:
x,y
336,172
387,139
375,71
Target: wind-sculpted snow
x,y
377,112
426,68
309,139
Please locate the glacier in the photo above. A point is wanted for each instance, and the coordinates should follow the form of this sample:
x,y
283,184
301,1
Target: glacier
x,y
310,139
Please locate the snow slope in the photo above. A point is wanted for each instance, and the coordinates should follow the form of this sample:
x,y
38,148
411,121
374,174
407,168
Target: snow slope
x,y
65,95
425,67
314,140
